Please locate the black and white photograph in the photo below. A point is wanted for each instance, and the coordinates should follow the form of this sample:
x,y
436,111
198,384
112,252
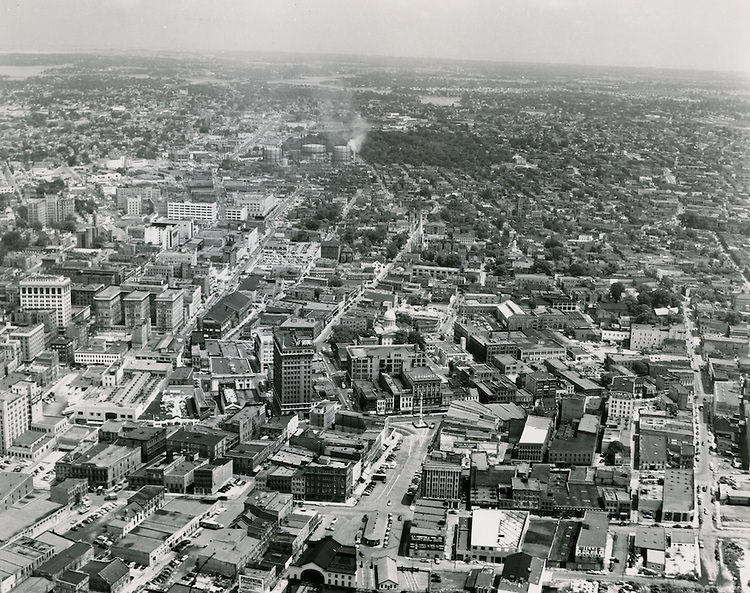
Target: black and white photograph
x,y
374,296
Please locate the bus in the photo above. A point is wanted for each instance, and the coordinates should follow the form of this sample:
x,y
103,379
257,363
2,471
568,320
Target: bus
x,y
379,477
208,524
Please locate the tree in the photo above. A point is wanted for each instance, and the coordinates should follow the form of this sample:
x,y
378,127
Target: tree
x,y
50,187
404,318
42,240
557,253
616,290
615,448
541,266
731,317
610,268
14,241
391,251
577,269
415,337
342,334
65,225
84,206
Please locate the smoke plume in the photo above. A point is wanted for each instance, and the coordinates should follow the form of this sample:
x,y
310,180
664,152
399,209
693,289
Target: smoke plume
x,y
360,127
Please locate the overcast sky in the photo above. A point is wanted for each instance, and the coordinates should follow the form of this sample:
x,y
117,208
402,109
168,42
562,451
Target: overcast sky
x,y
700,34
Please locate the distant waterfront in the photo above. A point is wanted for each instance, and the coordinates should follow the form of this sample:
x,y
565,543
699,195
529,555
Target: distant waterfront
x,y
21,72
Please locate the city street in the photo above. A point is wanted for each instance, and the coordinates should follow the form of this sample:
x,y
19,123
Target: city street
x,y
413,447
709,467
326,332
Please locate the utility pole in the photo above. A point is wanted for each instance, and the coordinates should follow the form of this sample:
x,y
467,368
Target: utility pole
x,y
197,572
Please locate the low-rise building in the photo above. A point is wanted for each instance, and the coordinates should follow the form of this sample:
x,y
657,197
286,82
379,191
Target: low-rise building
x,y
329,480
208,445
69,491
679,496
571,447
102,465
13,487
592,540
534,440
616,502
20,558
151,540
106,576
327,562
211,476
495,534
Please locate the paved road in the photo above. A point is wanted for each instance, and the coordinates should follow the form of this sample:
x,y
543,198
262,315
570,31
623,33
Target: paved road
x,y
413,448
326,332
256,137
704,477
248,266
708,468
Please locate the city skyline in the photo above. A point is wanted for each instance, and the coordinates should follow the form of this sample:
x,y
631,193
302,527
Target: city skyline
x,y
634,33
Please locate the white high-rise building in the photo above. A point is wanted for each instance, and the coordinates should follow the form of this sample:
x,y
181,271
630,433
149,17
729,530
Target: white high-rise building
x,y
14,418
48,292
198,211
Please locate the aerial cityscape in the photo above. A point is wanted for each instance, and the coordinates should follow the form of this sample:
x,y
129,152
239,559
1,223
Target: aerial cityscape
x,y
284,323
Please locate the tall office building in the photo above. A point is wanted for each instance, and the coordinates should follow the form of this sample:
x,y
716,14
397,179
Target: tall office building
x,y
31,339
14,418
37,210
108,306
48,292
136,307
50,210
292,371
170,314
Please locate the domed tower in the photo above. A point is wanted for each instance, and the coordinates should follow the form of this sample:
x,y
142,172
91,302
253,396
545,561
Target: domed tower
x,y
386,330
389,321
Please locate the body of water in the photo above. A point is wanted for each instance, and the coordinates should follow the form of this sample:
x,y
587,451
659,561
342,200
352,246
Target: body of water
x,y
21,72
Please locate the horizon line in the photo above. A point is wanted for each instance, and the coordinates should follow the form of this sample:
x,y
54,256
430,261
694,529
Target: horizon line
x,y
363,56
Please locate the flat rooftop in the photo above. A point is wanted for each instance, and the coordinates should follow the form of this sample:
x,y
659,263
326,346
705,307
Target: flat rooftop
x,y
678,490
496,528
9,481
25,513
536,430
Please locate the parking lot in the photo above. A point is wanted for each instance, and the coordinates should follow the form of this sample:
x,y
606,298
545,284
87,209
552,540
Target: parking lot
x,y
89,524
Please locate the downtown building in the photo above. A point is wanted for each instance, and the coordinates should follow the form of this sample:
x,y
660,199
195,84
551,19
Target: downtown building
x,y
203,212
292,372
48,292
14,417
50,210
